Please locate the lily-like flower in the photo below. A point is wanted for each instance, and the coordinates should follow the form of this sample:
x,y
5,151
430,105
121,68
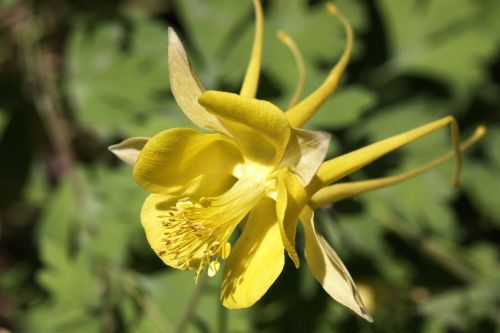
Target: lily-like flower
x,y
257,169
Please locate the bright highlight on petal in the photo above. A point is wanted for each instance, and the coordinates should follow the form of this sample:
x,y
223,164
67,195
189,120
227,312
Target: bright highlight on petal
x,y
251,81
337,192
302,112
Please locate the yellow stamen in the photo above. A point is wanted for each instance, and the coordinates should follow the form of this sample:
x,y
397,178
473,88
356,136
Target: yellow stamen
x,y
302,112
251,81
339,167
195,234
226,249
337,192
299,60
213,268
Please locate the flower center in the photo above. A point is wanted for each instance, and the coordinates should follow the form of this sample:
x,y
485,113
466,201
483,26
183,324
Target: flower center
x,y
196,234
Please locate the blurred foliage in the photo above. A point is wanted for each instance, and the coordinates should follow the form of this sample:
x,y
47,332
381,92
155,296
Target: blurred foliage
x,y
78,76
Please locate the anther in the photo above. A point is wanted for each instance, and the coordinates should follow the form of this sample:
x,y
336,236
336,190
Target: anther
x,y
213,268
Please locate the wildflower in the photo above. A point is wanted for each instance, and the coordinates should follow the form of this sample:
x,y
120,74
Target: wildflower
x,y
258,165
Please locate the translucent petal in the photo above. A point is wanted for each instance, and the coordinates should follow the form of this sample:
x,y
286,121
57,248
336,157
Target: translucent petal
x,y
311,152
186,86
329,270
128,150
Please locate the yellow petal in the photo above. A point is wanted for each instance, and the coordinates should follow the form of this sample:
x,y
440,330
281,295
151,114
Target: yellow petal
x,y
302,112
154,208
256,260
182,159
186,86
329,270
290,201
260,129
346,164
194,233
128,150
340,191
251,81
299,60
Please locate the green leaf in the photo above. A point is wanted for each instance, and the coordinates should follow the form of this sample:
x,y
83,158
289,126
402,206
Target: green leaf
x,y
422,200
481,181
113,222
490,11
173,290
72,281
424,41
492,142
344,108
38,188
5,4
76,319
319,36
60,219
117,76
211,24
3,120
462,307
483,257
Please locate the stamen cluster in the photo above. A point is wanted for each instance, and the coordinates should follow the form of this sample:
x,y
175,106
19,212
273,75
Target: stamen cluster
x,y
191,236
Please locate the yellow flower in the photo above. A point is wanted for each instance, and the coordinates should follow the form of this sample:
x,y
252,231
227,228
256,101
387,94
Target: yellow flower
x,y
257,166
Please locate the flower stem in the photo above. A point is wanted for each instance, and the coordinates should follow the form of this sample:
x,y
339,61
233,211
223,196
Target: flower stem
x,y
191,308
222,318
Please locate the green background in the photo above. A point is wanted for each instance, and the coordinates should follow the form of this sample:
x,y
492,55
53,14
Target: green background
x,y
77,76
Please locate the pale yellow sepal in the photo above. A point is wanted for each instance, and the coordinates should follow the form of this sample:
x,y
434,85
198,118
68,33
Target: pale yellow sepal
x,y
313,148
328,269
336,192
346,164
256,259
182,159
128,150
251,81
186,87
260,128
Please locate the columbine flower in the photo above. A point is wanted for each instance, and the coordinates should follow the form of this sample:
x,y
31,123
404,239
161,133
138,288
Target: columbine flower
x,y
257,165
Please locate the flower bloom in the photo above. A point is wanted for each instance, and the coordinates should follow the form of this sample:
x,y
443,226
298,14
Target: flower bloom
x,y
258,166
